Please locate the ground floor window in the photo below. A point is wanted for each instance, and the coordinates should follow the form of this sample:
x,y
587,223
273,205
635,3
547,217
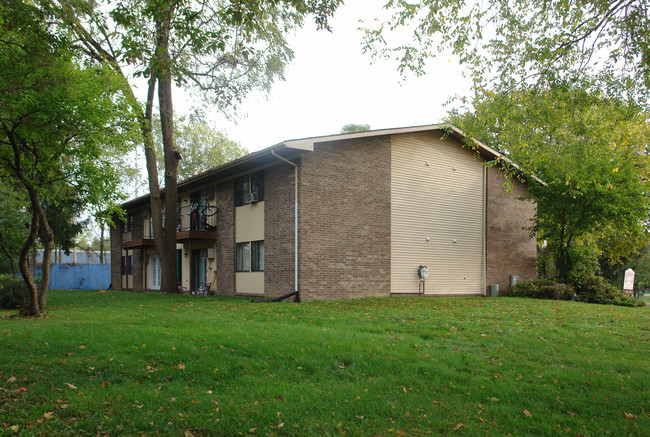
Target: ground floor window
x,y
250,256
127,265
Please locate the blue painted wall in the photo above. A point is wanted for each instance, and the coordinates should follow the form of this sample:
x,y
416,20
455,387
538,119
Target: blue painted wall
x,y
80,276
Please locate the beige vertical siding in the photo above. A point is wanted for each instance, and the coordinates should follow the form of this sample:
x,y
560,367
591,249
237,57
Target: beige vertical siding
x,y
249,226
250,283
249,222
443,201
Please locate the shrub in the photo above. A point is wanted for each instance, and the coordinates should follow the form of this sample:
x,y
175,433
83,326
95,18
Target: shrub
x,y
542,288
596,290
13,293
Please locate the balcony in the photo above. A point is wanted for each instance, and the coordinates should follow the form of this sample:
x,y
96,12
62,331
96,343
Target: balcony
x,y
193,223
137,234
196,223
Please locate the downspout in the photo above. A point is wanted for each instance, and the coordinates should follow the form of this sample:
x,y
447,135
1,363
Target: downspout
x,y
295,170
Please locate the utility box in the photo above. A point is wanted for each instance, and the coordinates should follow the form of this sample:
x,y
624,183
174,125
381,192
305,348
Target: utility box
x,y
513,280
494,290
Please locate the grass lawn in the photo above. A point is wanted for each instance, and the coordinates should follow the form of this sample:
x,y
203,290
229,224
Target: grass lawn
x,y
149,364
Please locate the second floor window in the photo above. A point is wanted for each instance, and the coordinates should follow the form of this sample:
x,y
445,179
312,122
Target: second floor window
x,y
127,225
249,188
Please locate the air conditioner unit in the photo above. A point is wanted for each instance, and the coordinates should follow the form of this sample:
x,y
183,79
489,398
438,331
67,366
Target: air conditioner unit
x,y
251,197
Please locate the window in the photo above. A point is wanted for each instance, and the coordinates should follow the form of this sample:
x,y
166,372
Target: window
x,y
250,256
127,265
243,257
250,183
127,225
257,256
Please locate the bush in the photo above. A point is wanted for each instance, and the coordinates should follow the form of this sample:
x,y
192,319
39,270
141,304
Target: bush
x,y
596,290
541,288
13,293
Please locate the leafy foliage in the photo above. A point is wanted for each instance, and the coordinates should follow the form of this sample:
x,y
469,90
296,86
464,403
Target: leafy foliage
x,y
13,294
590,151
511,42
597,290
354,127
14,225
63,217
223,50
200,145
542,288
63,127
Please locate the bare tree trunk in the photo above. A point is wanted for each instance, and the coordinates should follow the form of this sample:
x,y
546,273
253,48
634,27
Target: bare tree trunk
x,y
33,308
166,107
165,242
47,238
101,242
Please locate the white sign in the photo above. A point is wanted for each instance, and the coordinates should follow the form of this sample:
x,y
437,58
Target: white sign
x,y
628,284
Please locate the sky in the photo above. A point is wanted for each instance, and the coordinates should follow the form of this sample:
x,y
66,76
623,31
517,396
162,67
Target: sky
x,y
331,83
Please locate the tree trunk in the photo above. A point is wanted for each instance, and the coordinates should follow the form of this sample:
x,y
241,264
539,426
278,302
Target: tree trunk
x,y
165,243
47,238
166,107
101,242
33,306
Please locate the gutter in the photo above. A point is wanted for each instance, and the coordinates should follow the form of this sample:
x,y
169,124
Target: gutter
x,y
295,170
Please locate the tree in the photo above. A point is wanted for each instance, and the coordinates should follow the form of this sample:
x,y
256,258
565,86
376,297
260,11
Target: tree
x,y
14,222
63,217
506,42
353,127
63,126
590,151
201,146
223,49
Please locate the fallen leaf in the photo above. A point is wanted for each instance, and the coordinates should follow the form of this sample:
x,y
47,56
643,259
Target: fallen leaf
x,y
48,415
21,389
457,427
83,347
14,428
70,386
280,425
494,399
571,413
11,379
629,416
527,413
181,366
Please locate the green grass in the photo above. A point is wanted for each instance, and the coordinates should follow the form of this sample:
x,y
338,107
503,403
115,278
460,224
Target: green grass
x,y
152,364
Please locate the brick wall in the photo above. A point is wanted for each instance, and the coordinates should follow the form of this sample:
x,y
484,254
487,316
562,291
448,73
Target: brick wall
x,y
116,254
226,238
279,221
510,249
138,269
345,220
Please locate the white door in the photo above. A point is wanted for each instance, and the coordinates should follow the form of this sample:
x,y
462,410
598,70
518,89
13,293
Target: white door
x,y
154,272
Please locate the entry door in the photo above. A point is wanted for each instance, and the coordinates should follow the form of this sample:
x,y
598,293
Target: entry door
x,y
154,272
199,264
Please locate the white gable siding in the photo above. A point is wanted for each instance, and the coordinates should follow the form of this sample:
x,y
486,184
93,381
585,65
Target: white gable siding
x,y
443,201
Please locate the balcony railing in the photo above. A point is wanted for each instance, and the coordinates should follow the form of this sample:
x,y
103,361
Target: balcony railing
x,y
196,222
197,218
192,222
137,233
